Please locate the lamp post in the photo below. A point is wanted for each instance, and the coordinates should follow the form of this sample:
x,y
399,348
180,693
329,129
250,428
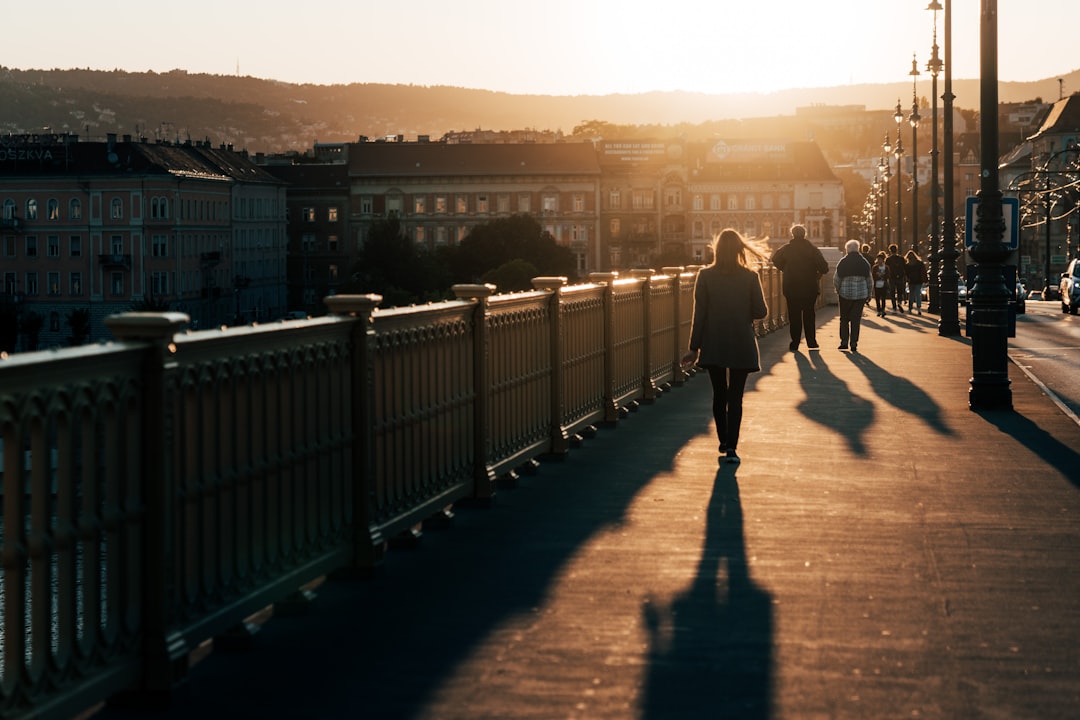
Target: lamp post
x,y
898,152
886,175
913,120
934,66
949,321
988,302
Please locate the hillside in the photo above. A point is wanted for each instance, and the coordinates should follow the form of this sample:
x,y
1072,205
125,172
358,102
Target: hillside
x,y
269,116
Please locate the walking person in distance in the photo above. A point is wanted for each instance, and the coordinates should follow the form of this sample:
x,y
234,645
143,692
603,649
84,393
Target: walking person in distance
x,y
803,265
853,284
897,277
880,272
727,300
915,272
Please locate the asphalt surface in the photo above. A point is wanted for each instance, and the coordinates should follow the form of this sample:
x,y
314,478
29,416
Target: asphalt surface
x,y
882,551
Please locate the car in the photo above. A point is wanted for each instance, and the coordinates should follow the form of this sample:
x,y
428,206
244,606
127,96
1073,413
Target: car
x,y
1034,295
1020,297
1069,288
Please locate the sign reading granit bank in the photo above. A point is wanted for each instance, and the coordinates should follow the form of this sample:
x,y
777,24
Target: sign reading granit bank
x,y
741,152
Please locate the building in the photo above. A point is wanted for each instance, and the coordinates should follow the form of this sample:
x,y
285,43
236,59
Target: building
x,y
440,191
95,228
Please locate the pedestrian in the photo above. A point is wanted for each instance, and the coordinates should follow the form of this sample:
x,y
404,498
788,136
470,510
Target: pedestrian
x,y
853,283
803,266
880,271
915,272
865,251
896,278
727,300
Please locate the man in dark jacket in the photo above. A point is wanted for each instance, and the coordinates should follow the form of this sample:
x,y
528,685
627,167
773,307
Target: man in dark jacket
x,y
897,278
803,266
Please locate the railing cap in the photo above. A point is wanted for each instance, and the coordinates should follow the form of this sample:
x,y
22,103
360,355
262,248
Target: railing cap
x,y
146,325
358,305
549,282
642,272
603,277
471,291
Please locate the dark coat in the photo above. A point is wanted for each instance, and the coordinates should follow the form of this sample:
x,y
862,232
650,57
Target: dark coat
x,y
725,307
803,266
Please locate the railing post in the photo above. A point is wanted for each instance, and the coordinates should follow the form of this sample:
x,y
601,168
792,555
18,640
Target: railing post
x,y
678,375
483,475
368,543
165,652
560,441
648,387
607,279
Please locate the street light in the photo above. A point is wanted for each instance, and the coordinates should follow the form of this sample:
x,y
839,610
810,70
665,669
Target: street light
x,y
988,301
934,66
949,322
886,173
898,152
914,119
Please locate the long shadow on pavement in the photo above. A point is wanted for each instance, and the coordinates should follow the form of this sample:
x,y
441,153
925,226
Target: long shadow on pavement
x,y
711,650
901,393
831,403
1063,458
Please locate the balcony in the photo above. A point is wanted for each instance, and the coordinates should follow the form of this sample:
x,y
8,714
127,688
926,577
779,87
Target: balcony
x,y
115,260
13,223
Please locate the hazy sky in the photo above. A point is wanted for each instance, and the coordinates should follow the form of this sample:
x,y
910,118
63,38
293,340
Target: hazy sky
x,y
556,47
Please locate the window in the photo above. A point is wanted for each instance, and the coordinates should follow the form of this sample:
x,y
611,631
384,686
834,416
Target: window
x,y
53,280
579,202
333,273
642,200
673,197
616,227
75,246
393,205
699,229
9,246
440,204
9,209
419,234
52,209
52,246
549,204
461,204
308,214
767,202
440,235
524,203
31,283
9,283
160,245
31,209
614,200
75,209
159,283
159,208
116,245
418,205
31,246
698,202
481,203
714,201
307,242
75,283
733,202
332,243
366,204
116,209
503,203
332,213
116,282
750,202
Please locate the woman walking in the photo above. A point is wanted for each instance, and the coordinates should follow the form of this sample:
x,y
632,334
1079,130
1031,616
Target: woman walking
x,y
880,272
915,270
727,301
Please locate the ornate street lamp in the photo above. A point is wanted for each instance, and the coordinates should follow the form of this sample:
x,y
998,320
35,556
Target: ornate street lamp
x,y
913,120
934,66
898,152
886,174
949,322
988,302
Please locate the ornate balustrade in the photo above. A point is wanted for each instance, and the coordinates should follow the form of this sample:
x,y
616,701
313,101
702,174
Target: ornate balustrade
x,y
161,488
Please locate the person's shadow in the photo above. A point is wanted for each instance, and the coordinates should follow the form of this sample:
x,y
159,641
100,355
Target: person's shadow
x,y
711,649
831,403
902,394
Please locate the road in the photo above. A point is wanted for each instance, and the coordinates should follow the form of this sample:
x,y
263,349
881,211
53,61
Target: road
x,y
1047,346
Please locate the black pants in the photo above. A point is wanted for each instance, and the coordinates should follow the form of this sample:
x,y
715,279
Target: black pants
x,y
803,317
850,321
728,385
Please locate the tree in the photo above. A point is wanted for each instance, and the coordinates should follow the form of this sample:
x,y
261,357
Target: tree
x,y
513,275
496,243
393,266
31,325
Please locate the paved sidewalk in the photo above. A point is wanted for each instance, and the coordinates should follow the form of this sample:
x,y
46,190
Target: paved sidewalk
x,y
881,552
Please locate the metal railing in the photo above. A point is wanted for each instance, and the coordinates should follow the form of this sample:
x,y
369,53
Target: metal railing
x,y
161,488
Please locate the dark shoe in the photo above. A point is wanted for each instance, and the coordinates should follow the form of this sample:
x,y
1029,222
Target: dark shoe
x,y
732,457
842,347
793,346
812,346
854,349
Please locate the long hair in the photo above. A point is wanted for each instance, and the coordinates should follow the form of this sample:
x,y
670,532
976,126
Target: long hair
x,y
730,251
